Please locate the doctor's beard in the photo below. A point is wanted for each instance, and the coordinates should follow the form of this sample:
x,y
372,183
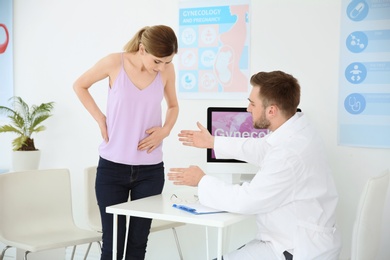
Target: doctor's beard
x,y
262,122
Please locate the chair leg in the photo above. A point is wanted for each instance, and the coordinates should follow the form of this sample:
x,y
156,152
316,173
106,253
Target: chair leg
x,y
3,252
89,247
73,252
25,255
87,252
177,243
100,245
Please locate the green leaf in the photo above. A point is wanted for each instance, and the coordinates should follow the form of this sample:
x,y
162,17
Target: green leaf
x,y
25,120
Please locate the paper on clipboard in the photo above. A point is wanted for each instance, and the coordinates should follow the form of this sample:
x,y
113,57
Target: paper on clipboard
x,y
197,209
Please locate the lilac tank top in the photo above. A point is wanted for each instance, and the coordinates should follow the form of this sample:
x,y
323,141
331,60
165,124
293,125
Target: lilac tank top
x,y
130,112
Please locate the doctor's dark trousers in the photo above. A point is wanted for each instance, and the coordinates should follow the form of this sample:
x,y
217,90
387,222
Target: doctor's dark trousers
x,y
115,183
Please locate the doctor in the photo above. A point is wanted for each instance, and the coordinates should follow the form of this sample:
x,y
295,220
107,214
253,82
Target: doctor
x,y
293,194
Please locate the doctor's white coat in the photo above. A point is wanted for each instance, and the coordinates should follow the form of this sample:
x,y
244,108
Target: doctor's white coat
x,y
292,195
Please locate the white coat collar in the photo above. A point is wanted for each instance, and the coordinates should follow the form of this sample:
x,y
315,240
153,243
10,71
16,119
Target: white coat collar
x,y
296,123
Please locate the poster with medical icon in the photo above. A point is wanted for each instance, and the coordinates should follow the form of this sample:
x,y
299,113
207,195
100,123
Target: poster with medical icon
x,y
364,78
6,57
213,56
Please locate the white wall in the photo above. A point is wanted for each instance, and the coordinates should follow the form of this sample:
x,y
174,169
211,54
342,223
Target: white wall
x,y
55,41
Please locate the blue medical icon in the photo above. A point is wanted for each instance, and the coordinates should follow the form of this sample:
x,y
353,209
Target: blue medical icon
x,y
357,10
356,72
355,103
357,41
188,81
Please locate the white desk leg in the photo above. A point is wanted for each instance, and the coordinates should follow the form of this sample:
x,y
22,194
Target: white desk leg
x,y
207,243
226,239
219,252
115,235
127,235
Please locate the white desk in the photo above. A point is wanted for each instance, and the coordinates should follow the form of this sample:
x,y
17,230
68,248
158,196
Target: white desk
x,y
160,207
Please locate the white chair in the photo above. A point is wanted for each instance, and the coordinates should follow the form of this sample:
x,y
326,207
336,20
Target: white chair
x,y
93,214
36,212
367,228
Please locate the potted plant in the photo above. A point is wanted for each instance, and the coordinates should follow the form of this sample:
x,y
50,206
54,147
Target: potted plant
x,y
25,121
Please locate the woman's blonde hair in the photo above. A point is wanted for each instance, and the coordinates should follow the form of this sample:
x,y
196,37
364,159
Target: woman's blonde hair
x,y
158,40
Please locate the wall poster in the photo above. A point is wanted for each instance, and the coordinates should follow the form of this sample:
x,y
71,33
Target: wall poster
x,y
214,49
364,81
6,50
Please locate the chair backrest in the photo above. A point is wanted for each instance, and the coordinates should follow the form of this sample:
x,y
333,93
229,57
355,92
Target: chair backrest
x,y
93,214
34,200
368,223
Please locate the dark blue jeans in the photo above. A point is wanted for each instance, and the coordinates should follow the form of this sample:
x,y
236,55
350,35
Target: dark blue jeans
x,y
115,183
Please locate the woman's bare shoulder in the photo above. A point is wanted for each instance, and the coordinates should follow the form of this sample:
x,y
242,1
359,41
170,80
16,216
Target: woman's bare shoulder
x,y
112,59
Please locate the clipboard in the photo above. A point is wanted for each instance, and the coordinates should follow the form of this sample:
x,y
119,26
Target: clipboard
x,y
197,209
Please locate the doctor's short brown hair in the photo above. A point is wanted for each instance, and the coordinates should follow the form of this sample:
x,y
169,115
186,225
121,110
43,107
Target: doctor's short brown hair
x,y
278,88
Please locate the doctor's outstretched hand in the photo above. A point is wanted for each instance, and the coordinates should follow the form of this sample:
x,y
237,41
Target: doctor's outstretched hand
x,y
200,139
186,176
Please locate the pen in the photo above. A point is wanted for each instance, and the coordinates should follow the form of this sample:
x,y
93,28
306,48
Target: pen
x,y
184,208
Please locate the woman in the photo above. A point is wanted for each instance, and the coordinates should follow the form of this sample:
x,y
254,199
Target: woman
x,y
130,162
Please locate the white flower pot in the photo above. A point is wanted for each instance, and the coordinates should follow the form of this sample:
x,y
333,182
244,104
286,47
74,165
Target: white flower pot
x,y
25,160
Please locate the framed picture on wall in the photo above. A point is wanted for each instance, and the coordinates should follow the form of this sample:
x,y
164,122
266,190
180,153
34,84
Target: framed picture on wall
x,y
364,81
214,40
6,52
